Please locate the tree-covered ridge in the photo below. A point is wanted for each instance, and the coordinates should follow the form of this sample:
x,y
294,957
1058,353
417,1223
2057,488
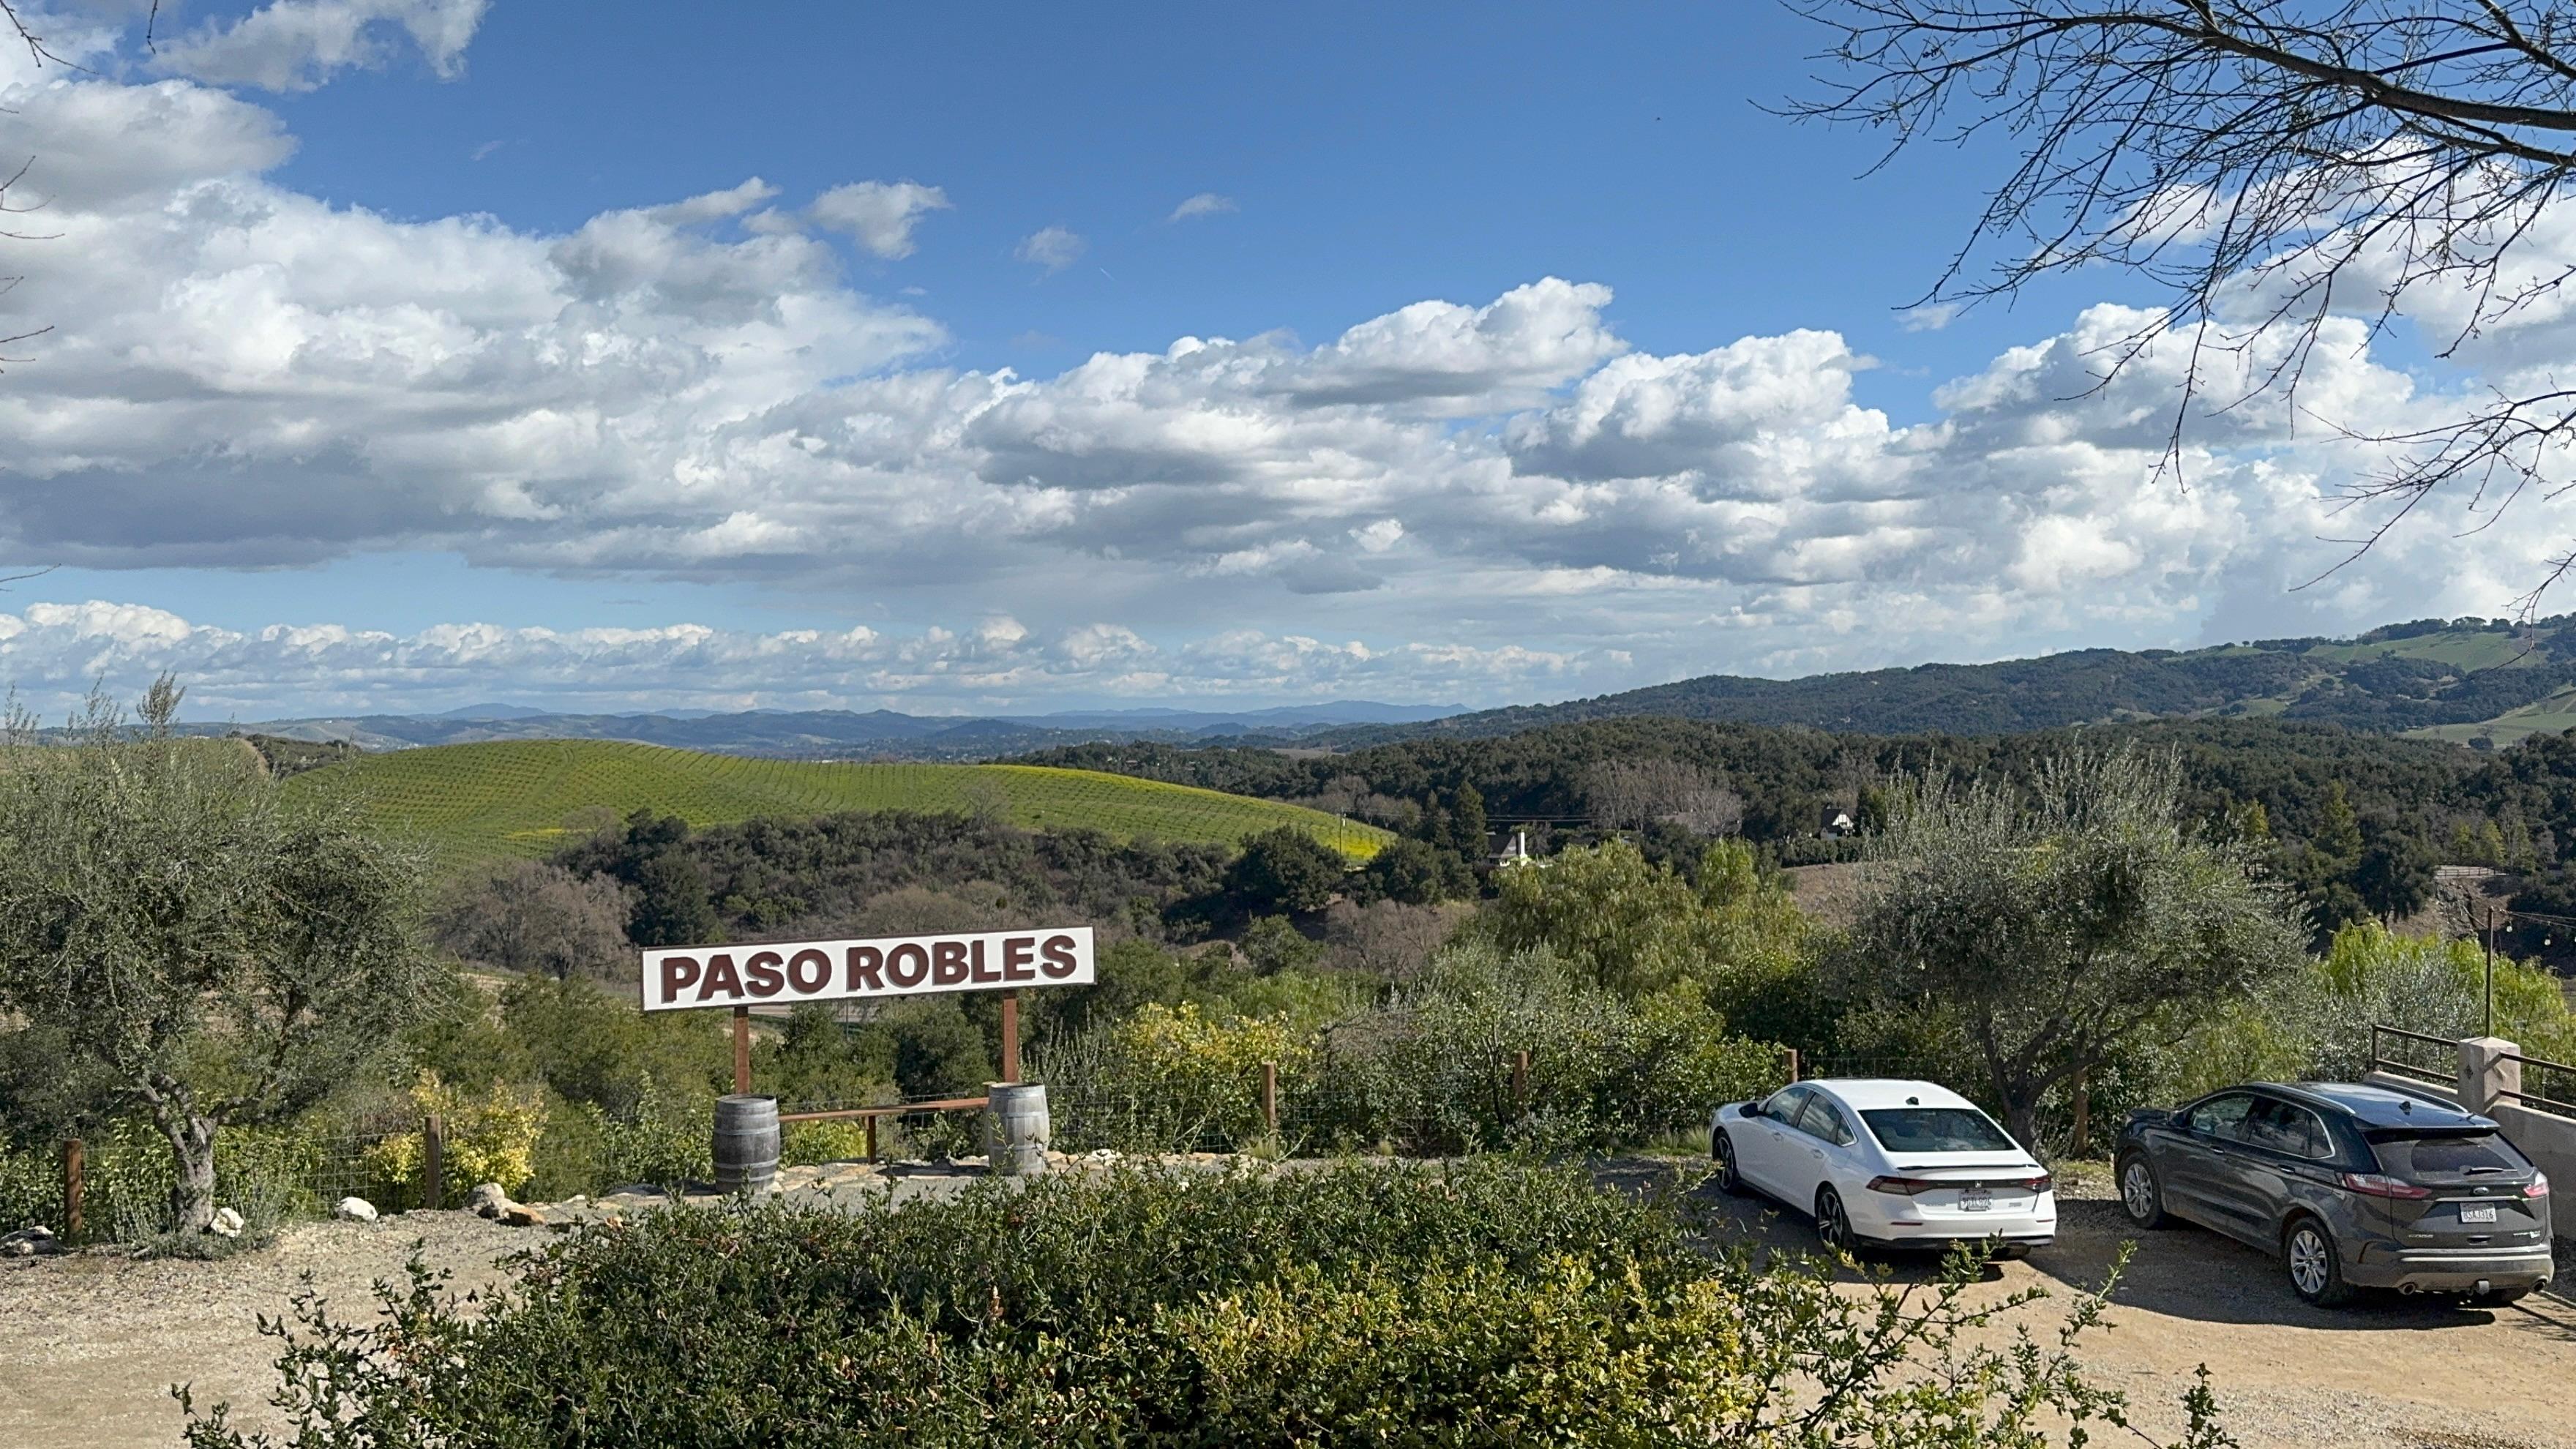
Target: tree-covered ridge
x,y
2356,821
1791,778
2427,674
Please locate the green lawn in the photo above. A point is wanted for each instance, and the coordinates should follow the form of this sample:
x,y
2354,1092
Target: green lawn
x,y
479,802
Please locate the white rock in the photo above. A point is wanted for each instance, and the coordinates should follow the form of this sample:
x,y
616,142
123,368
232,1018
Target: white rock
x,y
29,1242
227,1223
487,1200
355,1210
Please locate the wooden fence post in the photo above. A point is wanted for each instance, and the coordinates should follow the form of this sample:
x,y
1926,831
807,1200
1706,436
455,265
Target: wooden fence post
x,y
1270,1096
433,1161
872,1139
1520,1082
742,1051
75,1155
1791,1054
1010,1036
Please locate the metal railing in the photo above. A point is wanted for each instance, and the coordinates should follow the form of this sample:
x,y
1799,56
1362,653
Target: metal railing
x,y
2382,1061
2535,1072
2537,1066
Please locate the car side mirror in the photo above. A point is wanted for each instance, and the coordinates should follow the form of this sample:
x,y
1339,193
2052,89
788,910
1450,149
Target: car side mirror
x,y
1749,1109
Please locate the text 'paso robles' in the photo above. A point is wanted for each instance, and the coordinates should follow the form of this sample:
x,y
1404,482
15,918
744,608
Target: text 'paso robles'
x,y
788,972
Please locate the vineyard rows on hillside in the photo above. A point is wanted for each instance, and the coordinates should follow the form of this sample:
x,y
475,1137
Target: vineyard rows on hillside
x,y
476,802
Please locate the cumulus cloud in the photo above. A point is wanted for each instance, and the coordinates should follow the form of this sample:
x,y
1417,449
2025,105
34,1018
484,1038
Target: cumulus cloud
x,y
692,388
1051,249
996,664
1206,203
297,45
878,215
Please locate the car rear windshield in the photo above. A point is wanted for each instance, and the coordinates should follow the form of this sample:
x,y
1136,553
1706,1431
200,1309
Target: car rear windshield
x,y
1935,1129
2454,1156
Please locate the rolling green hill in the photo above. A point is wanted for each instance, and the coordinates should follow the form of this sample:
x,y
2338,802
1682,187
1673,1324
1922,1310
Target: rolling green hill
x,y
2463,680
479,802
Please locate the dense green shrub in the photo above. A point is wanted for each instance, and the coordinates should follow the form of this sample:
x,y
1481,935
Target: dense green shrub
x,y
1486,1303
1431,1069
1426,1070
31,1188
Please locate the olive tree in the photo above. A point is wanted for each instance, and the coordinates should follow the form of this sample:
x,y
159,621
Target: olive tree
x,y
2054,925
212,956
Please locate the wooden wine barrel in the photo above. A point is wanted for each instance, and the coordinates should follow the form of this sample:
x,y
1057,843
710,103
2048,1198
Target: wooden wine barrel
x,y
746,1143
1017,1129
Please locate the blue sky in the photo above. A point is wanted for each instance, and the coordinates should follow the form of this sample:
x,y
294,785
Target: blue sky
x,y
391,372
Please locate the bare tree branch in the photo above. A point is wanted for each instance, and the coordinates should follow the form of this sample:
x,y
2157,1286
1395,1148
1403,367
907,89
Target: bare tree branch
x,y
2268,165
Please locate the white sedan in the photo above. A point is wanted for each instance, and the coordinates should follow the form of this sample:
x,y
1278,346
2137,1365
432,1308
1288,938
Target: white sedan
x,y
1886,1164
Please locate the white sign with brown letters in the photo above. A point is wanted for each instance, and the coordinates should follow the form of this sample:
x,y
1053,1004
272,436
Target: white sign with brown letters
x,y
785,973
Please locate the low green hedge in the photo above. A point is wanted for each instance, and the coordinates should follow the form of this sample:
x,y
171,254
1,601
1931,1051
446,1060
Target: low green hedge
x,y
1485,1302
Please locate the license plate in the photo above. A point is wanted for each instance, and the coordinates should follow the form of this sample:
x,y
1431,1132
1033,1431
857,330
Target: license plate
x,y
1982,1199
2477,1212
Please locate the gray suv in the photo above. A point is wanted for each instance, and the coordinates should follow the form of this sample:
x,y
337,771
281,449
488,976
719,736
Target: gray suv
x,y
2355,1187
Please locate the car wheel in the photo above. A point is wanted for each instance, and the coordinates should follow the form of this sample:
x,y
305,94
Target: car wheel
x,y
2316,1267
1721,1150
1833,1225
2141,1196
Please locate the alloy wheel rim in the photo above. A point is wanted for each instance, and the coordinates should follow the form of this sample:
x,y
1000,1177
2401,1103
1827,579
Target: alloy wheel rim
x,y
2308,1261
1829,1221
2138,1190
1725,1161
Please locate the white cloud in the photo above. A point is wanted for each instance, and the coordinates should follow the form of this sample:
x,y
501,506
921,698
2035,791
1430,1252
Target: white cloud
x,y
879,215
297,45
997,665
1051,249
1206,203
243,376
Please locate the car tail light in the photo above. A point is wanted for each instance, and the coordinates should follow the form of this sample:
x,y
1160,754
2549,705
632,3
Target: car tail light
x,y
2041,1183
1901,1186
2539,1185
2376,1184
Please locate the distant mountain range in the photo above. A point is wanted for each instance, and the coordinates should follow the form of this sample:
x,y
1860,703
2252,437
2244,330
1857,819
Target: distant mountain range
x,y
2474,681
811,734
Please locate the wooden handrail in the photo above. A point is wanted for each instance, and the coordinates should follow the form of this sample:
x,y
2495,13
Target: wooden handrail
x,y
891,1109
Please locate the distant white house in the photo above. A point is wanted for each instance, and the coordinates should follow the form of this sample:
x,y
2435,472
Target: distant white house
x,y
1518,853
1838,823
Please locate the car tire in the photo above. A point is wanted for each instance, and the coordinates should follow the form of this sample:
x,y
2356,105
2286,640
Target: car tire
x,y
1833,1222
2314,1263
2142,1197
1721,1150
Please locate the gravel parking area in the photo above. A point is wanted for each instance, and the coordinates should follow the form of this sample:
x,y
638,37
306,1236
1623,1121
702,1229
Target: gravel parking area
x,y
89,1344
2387,1373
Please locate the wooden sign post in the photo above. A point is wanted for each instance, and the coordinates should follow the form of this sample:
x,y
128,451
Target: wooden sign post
x,y
791,973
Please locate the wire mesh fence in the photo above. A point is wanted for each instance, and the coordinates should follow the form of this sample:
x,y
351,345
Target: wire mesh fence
x,y
115,1186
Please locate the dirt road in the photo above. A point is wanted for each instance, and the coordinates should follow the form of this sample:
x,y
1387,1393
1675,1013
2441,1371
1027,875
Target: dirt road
x,y
89,1345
